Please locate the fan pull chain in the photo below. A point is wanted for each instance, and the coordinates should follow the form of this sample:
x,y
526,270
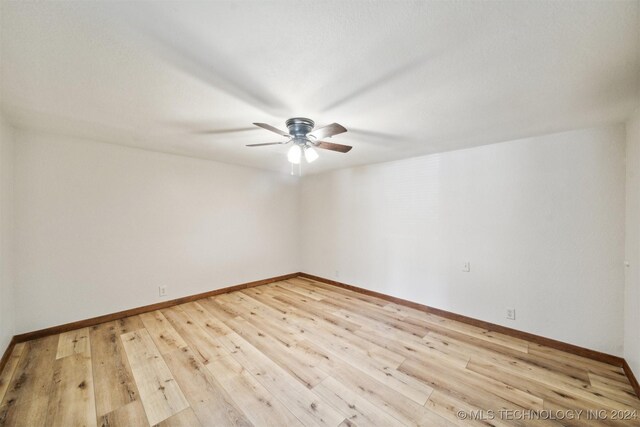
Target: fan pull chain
x,y
299,169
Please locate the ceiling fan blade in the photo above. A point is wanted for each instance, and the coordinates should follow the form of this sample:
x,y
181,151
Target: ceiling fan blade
x,y
272,129
266,143
328,131
334,147
222,131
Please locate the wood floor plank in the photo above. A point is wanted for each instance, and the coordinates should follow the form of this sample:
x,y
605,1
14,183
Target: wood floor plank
x,y
162,332
481,337
376,319
260,295
7,373
262,408
300,352
453,383
221,311
367,360
114,383
203,345
352,406
305,292
308,313
526,365
302,403
131,414
327,298
609,383
211,404
72,401
160,394
409,347
431,320
338,336
185,418
384,322
449,407
261,315
554,399
467,349
461,376
34,374
615,390
203,318
397,405
302,369
272,327
30,413
334,291
555,380
600,368
74,342
554,383
491,336
311,309
129,324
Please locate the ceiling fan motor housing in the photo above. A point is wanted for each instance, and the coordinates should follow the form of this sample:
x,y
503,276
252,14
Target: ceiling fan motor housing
x,y
299,127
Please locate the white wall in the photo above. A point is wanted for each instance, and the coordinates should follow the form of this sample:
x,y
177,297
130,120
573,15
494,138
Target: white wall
x,y
540,219
99,227
632,279
7,302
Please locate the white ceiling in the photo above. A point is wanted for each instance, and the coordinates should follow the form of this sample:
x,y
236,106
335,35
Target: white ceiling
x,y
406,78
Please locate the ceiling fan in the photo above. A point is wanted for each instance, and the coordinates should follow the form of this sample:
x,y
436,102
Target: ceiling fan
x,y
305,138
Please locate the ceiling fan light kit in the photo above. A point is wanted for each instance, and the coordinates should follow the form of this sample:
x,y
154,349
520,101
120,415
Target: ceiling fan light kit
x,y
305,139
310,154
294,154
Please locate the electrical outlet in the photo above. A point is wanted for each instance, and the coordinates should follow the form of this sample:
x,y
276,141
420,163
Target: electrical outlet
x,y
466,267
511,313
162,291
337,275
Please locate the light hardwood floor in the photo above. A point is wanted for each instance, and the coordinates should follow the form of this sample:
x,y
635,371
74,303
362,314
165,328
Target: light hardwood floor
x,y
301,352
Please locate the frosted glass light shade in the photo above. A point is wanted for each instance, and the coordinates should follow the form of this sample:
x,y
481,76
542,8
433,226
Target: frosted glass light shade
x,y
294,154
310,154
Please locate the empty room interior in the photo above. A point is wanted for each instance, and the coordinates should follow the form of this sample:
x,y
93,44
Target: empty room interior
x,y
320,213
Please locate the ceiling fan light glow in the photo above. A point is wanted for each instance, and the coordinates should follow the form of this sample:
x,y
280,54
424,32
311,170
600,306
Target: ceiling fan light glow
x,y
310,154
294,155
